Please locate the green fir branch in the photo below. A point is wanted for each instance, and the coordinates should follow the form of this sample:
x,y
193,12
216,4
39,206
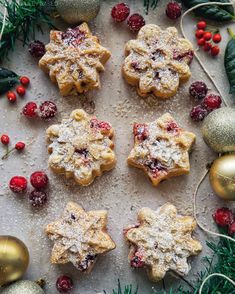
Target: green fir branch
x,y
150,4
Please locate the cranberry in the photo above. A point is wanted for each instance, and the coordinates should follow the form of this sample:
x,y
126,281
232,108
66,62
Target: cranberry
x,y
201,25
135,22
186,56
18,184
136,260
172,127
215,50
216,38
30,109
223,217
155,166
24,81
141,131
11,96
37,198
64,284
20,90
173,10
198,113
199,34
231,229
37,49
39,179
212,102
207,47
120,12
198,90
47,110
207,36
5,139
104,126
19,146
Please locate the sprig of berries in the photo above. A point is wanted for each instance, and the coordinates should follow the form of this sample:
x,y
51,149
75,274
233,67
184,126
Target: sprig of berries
x,y
225,218
19,146
46,110
207,39
20,89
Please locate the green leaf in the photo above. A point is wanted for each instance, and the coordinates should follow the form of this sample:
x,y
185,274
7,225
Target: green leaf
x,y
8,79
212,12
229,62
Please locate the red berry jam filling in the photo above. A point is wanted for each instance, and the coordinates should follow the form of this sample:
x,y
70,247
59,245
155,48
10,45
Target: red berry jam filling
x,y
73,36
95,123
186,56
141,131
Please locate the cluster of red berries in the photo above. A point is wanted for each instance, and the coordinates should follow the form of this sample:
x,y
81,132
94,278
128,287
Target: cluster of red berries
x,y
225,218
64,284
46,110
120,13
5,140
39,180
205,38
20,90
173,10
209,102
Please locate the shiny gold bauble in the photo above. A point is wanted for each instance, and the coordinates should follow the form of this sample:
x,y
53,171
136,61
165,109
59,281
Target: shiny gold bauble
x,y
14,259
23,287
218,130
222,176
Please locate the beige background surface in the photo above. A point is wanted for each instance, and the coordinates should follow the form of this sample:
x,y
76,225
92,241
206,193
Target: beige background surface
x,y
122,191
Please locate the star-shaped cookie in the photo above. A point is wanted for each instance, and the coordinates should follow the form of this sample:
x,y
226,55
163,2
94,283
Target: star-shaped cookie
x,y
157,61
81,147
161,149
79,237
74,59
162,241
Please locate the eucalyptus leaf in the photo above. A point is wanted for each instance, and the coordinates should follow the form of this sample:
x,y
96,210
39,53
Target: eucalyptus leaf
x,y
8,79
229,62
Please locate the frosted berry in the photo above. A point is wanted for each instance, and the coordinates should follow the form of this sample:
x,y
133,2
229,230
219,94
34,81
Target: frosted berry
x,y
201,25
198,90
37,198
136,22
120,12
64,284
207,36
231,229
215,50
216,38
5,139
39,179
199,34
47,110
37,49
212,102
18,184
11,96
173,10
19,146
20,90
30,109
223,217
207,46
201,42
198,113
24,81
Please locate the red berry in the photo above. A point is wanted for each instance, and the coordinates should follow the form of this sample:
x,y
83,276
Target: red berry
x,y
215,50
30,109
11,96
199,34
5,139
201,42
24,81
37,198
173,10
19,146
39,179
136,22
212,102
37,49
47,110
198,90
20,90
198,113
120,12
201,24
223,217
207,36
231,229
64,284
216,38
18,184
207,46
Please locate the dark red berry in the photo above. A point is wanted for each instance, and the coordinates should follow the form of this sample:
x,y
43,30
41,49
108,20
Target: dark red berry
x,y
223,217
198,113
207,36
19,146
11,96
212,102
5,139
199,34
120,12
64,284
231,229
201,24
37,198
18,184
20,90
47,110
39,179
207,46
24,81
140,131
30,109
173,10
215,50
198,90
172,127
135,22
216,38
201,42
37,49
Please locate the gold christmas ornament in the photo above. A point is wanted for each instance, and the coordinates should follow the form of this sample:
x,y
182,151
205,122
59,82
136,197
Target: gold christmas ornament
x,y
77,11
218,130
222,176
23,287
14,259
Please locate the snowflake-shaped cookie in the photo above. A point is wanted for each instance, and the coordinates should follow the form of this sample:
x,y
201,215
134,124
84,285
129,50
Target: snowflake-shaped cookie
x,y
162,241
81,147
79,237
74,59
157,61
161,149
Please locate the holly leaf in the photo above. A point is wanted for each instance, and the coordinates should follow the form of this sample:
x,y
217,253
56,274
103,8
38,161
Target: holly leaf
x,y
8,79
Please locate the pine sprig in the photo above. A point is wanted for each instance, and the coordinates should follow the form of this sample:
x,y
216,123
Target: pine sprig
x,y
150,4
